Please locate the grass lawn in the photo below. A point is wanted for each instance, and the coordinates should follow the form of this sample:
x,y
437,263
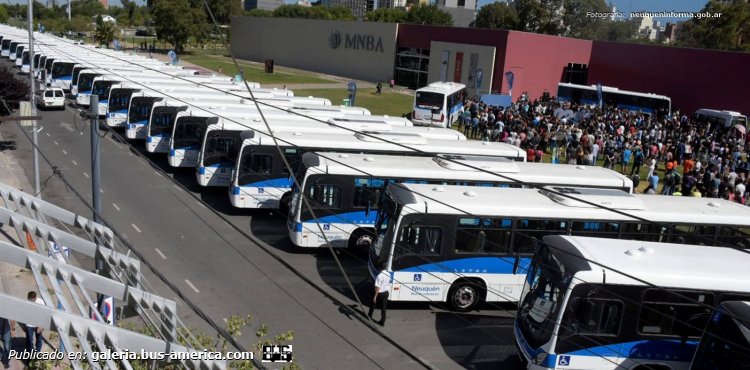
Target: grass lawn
x,y
389,103
253,73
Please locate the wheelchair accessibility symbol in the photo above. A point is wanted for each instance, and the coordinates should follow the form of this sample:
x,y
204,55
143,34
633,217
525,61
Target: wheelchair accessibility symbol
x,y
564,361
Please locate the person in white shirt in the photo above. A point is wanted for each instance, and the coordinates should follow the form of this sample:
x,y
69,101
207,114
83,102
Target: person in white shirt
x,y
34,339
382,287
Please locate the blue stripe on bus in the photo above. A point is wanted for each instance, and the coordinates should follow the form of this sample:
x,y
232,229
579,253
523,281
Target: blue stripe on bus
x,y
66,78
121,111
356,217
548,362
283,182
483,265
660,349
635,108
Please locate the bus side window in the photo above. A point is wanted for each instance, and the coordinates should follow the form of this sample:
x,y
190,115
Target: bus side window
x,y
644,232
367,192
664,313
693,234
593,316
419,239
325,195
482,236
600,229
528,232
735,236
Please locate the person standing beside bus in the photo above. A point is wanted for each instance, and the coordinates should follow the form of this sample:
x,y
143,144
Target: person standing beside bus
x,y
382,289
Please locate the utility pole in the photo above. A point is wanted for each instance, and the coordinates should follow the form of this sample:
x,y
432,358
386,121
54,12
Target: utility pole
x,y
34,132
95,193
69,10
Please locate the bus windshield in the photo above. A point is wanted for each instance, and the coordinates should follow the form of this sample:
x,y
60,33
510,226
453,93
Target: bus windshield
x,y
119,99
85,82
188,132
429,100
62,70
739,121
388,210
545,287
101,88
162,120
724,345
140,108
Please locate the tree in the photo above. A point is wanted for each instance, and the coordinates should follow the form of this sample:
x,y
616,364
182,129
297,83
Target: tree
x,y
540,16
259,13
341,13
290,11
386,15
174,21
12,89
730,31
130,7
579,25
105,32
223,10
429,15
619,31
88,8
4,14
80,23
497,15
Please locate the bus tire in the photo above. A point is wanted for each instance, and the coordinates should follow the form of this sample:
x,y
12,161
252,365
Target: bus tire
x,y
361,240
465,294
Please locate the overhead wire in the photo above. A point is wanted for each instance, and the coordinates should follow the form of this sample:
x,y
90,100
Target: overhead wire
x,y
492,173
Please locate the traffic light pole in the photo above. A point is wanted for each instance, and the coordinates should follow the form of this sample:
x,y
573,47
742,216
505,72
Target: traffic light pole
x,y
32,98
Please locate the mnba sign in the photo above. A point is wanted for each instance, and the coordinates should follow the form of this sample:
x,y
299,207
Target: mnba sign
x,y
355,41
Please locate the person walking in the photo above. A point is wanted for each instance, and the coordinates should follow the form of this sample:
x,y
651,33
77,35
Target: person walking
x,y
7,330
379,88
382,289
391,82
34,338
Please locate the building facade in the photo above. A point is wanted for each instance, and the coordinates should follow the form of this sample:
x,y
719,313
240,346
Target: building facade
x,y
263,4
415,55
463,11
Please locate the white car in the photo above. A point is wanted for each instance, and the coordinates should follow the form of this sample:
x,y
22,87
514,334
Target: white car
x,y
51,97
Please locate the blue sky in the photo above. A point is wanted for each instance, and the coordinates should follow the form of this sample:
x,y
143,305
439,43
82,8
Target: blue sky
x,y
626,6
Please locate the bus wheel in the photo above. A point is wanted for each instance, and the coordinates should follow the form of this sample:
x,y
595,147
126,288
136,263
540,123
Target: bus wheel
x,y
464,295
361,240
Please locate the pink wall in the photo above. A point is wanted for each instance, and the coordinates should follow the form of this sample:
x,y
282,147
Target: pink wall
x,y
538,61
693,78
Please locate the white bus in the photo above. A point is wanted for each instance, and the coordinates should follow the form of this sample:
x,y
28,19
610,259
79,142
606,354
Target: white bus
x,y
464,244
14,49
120,94
438,104
221,142
164,115
652,104
720,118
599,304
360,179
725,343
260,178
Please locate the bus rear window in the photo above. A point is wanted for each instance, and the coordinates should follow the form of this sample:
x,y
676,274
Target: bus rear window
x,y
429,100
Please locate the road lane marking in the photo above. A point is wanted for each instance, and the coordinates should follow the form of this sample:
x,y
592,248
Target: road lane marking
x,y
116,207
136,228
64,152
192,286
74,162
48,135
54,141
101,191
85,174
160,253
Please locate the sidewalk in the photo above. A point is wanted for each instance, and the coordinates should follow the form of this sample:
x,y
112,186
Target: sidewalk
x,y
14,280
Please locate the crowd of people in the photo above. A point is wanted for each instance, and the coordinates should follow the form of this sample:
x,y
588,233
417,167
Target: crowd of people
x,y
675,154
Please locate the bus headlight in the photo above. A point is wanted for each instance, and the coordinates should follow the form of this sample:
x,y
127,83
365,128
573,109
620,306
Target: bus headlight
x,y
539,358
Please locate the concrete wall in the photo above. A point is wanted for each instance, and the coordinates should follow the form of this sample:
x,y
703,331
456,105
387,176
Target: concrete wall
x,y
361,50
412,35
538,62
485,56
693,78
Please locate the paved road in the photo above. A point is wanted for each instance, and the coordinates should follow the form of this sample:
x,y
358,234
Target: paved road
x,y
225,273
